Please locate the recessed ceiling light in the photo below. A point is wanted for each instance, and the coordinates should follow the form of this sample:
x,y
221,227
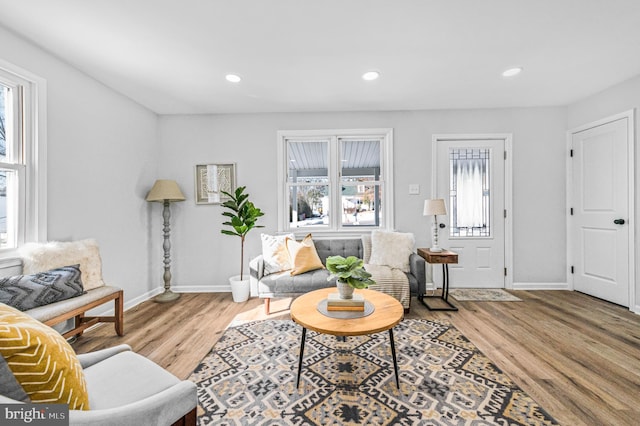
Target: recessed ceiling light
x,y
370,75
233,78
512,72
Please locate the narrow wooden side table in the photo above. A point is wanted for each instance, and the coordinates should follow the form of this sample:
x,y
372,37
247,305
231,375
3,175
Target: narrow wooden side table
x,y
445,257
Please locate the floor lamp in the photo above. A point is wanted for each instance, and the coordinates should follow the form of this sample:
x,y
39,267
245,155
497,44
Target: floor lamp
x,y
166,192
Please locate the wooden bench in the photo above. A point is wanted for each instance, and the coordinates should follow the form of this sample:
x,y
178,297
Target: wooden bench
x,y
76,307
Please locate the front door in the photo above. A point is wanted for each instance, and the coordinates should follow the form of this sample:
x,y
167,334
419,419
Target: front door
x,y
599,225
470,176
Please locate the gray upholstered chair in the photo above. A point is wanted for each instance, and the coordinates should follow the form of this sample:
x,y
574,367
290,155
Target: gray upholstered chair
x,y
128,389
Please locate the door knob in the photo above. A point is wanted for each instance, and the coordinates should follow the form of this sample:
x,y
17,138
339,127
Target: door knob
x,y
442,225
619,221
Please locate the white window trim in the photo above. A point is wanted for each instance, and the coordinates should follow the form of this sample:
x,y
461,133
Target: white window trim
x,y
386,134
33,224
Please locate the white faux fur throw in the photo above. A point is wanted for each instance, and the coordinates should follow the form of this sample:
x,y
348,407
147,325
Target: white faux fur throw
x,y
40,257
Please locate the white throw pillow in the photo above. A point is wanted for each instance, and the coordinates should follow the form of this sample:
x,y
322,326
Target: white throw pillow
x,y
274,253
391,249
40,257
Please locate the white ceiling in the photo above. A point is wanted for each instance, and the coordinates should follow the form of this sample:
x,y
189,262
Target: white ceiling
x,y
304,55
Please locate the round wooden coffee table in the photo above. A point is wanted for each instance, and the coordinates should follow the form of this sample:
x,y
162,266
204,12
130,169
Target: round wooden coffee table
x,y
387,313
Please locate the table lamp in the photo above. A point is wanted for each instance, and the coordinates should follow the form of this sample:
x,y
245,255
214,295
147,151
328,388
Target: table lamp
x,y
434,208
166,192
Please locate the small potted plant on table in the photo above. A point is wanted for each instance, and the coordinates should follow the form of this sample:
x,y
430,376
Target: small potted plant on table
x,y
243,216
350,273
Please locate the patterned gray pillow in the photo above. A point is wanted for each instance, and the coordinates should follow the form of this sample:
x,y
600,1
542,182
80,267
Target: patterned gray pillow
x,y
26,292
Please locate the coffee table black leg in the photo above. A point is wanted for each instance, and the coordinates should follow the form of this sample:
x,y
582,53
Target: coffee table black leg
x,y
393,355
304,335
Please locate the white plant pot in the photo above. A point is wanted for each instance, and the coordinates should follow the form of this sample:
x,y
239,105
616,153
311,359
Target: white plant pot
x,y
239,288
345,290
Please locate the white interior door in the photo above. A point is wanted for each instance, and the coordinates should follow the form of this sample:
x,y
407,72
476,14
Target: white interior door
x,y
470,176
600,202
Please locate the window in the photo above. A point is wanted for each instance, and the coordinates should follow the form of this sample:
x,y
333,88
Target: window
x,y
335,181
22,154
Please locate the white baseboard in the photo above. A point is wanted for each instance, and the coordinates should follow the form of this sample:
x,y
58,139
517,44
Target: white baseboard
x,y
519,286
132,303
128,304
222,288
541,286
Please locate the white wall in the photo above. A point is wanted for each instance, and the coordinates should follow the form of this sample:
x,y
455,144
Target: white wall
x,y
617,99
105,152
101,162
203,257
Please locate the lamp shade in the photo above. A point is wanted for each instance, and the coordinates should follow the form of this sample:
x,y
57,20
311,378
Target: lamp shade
x,y
434,207
165,189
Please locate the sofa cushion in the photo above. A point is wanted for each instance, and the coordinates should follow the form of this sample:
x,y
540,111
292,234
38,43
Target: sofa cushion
x,y
38,257
274,253
344,247
303,254
391,249
284,284
125,378
41,360
52,310
26,292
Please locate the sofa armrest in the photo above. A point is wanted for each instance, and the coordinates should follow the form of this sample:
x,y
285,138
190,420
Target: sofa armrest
x,y
164,408
91,358
417,267
256,272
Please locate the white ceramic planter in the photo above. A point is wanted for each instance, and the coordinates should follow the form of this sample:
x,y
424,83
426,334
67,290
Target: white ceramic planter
x,y
345,290
239,289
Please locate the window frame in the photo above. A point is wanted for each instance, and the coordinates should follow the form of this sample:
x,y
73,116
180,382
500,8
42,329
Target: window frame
x,y
31,215
334,136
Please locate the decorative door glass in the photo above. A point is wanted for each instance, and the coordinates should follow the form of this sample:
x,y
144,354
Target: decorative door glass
x,y
469,192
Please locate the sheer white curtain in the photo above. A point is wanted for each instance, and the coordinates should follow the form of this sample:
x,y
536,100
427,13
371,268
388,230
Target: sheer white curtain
x,y
469,186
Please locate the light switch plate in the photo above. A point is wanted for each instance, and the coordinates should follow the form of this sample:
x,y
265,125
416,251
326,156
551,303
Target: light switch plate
x,y
414,189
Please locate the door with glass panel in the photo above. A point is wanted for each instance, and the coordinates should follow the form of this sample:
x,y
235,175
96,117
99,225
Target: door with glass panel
x,y
469,176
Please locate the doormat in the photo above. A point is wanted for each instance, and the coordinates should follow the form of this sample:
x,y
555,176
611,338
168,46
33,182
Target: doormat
x,y
249,378
483,295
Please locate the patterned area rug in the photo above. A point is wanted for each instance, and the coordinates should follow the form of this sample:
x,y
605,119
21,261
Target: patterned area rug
x,y
483,295
249,378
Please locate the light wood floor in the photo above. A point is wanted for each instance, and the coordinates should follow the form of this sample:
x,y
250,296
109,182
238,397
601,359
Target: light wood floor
x,y
577,356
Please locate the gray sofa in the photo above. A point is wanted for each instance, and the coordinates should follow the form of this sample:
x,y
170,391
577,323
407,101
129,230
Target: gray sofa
x,y
285,285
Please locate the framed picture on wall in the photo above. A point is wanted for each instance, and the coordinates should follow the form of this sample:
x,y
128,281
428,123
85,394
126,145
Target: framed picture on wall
x,y
212,179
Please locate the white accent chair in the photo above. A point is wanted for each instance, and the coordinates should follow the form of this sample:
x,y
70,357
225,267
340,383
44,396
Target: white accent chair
x,y
126,388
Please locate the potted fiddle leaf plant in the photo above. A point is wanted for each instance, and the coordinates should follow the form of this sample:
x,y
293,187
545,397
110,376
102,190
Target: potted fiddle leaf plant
x,y
242,216
350,274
